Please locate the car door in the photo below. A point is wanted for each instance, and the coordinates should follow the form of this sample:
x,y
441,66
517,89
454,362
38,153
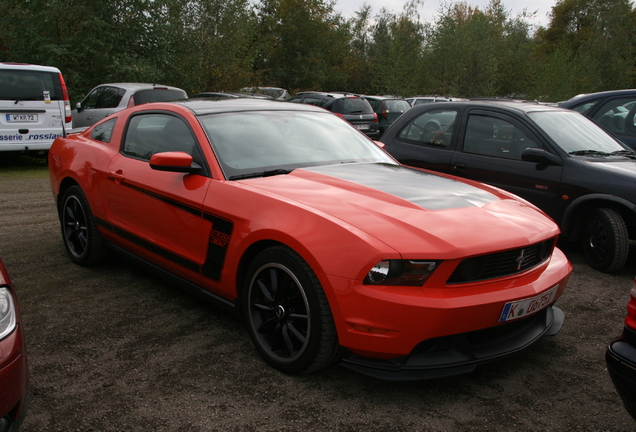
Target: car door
x,y
158,214
98,104
490,152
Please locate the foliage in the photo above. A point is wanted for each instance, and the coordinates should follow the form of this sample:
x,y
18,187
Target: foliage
x,y
211,45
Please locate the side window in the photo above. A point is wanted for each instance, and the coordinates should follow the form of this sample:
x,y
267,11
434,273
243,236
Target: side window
x,y
312,101
585,107
433,128
91,100
104,131
613,115
110,98
148,134
493,136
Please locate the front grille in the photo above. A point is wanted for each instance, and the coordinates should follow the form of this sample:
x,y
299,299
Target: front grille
x,y
501,264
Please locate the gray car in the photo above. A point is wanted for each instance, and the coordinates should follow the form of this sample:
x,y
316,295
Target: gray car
x,y
106,99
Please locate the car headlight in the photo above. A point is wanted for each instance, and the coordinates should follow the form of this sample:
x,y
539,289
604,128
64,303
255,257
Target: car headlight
x,y
401,272
7,313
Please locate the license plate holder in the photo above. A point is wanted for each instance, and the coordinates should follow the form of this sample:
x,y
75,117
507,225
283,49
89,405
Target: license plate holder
x,y
524,307
22,118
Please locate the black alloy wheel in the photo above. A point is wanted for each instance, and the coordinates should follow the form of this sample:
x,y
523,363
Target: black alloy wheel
x,y
287,313
605,240
83,242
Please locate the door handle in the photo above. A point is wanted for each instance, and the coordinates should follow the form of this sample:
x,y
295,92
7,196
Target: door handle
x,y
116,176
460,166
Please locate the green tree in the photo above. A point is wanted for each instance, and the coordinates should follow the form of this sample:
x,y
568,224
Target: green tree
x,y
303,45
591,44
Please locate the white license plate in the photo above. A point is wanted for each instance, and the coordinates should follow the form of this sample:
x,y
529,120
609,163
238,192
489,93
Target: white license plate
x,y
22,118
521,308
361,126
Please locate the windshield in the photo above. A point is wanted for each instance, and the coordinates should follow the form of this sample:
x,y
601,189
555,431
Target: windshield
x,y
576,134
261,142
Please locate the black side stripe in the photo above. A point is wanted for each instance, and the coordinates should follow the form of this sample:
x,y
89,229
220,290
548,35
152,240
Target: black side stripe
x,y
220,234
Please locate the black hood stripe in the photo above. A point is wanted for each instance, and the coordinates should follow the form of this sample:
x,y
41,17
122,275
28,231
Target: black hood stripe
x,y
427,190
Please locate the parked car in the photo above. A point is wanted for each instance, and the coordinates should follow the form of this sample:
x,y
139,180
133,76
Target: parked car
x,y
387,108
326,246
225,95
352,108
107,99
555,158
614,110
34,104
14,371
621,359
273,92
417,100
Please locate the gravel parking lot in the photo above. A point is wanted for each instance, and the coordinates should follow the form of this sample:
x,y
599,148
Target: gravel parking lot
x,y
113,348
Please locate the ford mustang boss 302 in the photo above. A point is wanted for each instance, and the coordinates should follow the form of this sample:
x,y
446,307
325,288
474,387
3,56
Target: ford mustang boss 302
x,y
325,246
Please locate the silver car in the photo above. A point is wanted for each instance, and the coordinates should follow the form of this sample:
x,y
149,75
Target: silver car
x,y
106,99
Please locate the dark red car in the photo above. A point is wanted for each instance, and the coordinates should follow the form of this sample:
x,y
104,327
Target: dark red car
x,y
14,379
621,358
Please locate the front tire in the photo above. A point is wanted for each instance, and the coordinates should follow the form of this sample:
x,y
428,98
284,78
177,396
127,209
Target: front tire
x,y
83,242
605,240
287,313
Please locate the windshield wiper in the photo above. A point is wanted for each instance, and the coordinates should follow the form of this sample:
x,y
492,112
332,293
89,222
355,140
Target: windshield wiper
x,y
589,153
628,153
268,173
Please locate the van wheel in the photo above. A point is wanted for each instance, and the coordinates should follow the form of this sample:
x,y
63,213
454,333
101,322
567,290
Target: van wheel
x,y
83,242
605,240
287,313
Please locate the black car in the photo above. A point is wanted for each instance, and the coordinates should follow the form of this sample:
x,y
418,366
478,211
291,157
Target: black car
x,y
388,109
554,157
350,107
614,110
621,359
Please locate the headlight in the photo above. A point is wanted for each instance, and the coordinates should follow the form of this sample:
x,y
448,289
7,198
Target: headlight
x,y
7,313
400,272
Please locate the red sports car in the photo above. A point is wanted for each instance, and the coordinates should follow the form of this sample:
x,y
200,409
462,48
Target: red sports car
x,y
14,374
327,247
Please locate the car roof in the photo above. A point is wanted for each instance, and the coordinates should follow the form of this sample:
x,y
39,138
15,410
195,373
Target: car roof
x,y
214,106
598,95
515,105
27,66
336,94
138,86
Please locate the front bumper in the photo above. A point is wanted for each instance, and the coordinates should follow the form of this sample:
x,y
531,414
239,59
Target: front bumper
x,y
460,353
620,357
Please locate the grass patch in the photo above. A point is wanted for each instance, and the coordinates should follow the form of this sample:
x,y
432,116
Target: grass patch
x,y
15,164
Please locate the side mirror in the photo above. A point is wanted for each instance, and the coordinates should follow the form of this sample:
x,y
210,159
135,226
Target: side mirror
x,y
78,107
180,162
540,156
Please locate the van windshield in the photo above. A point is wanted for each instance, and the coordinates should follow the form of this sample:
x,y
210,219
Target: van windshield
x,y
29,85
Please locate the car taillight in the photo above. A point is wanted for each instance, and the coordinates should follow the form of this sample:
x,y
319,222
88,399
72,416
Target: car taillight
x,y
630,321
375,117
67,102
383,112
131,102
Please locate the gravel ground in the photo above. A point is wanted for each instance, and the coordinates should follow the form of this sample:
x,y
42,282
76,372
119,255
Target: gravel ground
x,y
113,348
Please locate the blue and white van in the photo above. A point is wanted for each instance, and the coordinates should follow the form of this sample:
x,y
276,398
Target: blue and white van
x,y
34,104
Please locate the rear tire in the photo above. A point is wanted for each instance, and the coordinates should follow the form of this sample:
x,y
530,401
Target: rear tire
x,y
83,242
605,240
287,313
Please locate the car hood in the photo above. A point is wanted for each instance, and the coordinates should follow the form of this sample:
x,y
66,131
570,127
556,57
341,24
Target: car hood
x,y
413,210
